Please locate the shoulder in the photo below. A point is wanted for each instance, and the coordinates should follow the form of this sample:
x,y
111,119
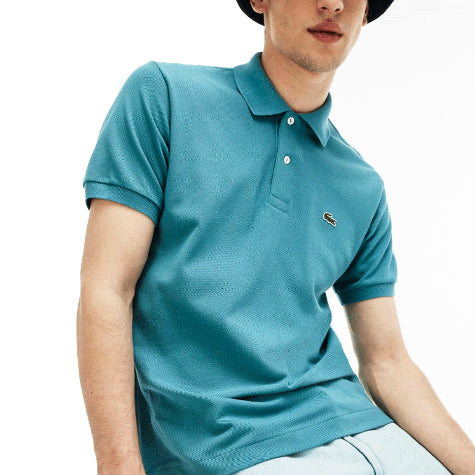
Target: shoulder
x,y
353,159
186,90
184,75
146,77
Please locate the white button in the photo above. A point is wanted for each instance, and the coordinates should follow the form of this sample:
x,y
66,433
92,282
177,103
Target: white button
x,y
287,159
290,120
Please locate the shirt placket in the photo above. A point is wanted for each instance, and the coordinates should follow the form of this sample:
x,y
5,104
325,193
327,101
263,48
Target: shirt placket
x,y
286,160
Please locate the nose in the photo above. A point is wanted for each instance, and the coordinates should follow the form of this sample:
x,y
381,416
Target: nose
x,y
330,7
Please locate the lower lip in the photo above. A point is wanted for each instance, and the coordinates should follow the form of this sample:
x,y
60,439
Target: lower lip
x,y
325,37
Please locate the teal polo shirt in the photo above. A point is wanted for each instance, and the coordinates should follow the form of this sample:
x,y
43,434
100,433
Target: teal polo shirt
x,y
258,211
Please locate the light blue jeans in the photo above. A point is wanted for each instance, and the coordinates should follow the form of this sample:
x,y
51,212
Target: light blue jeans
x,y
386,450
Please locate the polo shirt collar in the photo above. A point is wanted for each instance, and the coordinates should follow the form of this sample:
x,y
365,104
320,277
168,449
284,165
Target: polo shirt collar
x,y
263,98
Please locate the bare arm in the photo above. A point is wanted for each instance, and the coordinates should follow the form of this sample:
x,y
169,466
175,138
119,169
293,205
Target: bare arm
x,y
116,248
400,388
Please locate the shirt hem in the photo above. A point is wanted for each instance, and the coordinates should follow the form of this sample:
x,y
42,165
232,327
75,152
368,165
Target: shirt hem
x,y
295,440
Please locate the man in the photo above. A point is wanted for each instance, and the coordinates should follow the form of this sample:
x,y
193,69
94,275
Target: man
x,y
223,204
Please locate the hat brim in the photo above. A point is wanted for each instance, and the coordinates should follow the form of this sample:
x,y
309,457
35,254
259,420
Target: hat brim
x,y
376,9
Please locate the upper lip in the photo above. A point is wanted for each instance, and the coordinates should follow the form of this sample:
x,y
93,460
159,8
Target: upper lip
x,y
326,26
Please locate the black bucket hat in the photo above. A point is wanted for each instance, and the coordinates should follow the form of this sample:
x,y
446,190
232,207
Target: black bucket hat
x,y
376,9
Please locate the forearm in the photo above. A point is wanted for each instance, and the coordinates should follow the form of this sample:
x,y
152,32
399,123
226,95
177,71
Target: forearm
x,y
106,369
404,393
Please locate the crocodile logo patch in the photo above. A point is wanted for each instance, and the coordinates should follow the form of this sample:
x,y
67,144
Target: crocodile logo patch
x,y
329,218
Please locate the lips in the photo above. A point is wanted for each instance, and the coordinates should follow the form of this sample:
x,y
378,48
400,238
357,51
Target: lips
x,y
326,32
326,27
325,36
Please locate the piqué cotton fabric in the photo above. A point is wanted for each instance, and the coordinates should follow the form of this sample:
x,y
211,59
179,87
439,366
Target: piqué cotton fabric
x,y
258,211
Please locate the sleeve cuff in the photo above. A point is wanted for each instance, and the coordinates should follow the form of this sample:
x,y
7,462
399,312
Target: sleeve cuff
x,y
122,195
366,292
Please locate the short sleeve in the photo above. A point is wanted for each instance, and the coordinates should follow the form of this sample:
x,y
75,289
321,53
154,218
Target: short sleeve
x,y
373,271
129,163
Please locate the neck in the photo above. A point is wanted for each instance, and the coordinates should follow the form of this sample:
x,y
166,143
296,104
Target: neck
x,y
303,90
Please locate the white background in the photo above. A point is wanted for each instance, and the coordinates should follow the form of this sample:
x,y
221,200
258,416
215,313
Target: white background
x,y
404,98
